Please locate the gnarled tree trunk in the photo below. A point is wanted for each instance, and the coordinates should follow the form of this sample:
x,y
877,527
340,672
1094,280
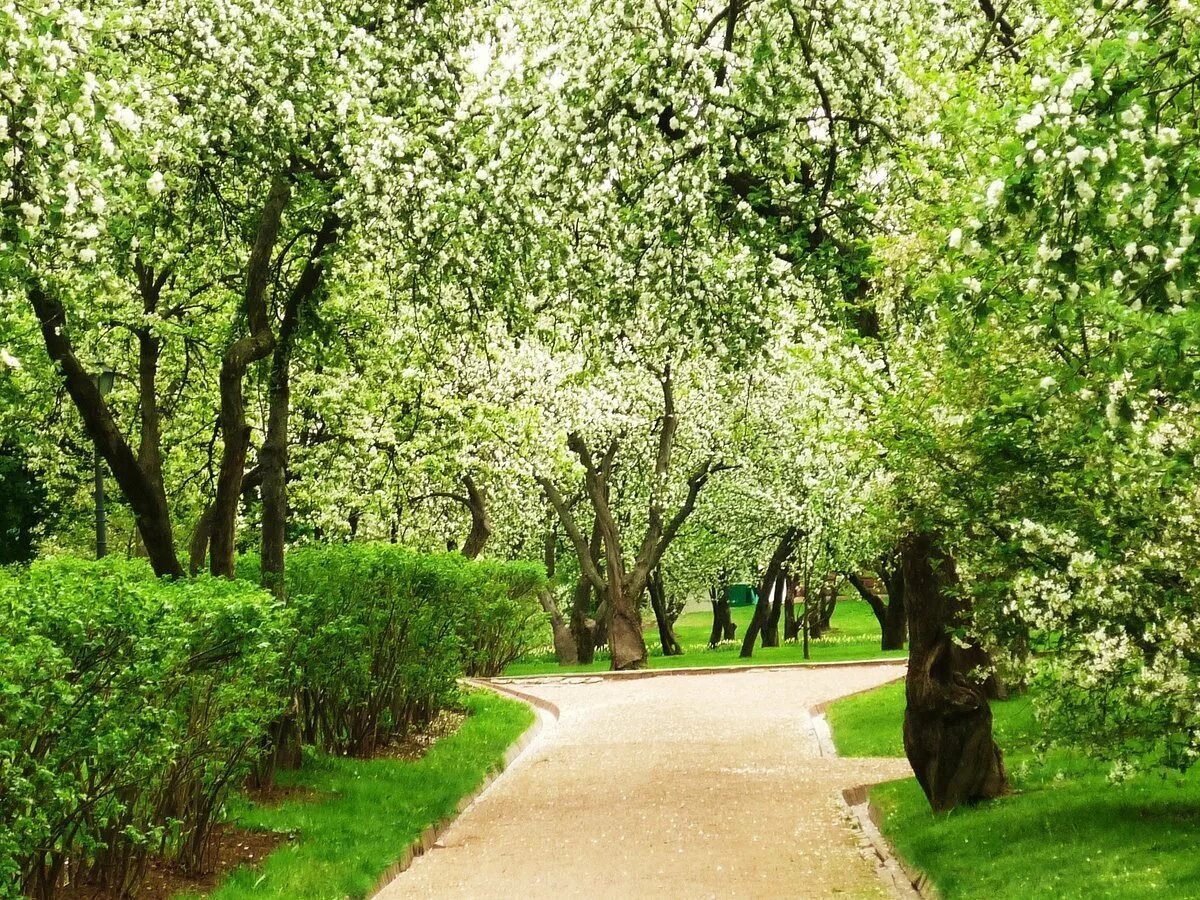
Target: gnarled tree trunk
x,y
947,720
666,629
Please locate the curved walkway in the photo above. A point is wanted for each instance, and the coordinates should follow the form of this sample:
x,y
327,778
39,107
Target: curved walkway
x,y
672,786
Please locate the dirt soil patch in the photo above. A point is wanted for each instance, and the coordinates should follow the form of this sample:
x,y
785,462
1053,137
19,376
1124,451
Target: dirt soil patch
x,y
231,847
278,794
413,746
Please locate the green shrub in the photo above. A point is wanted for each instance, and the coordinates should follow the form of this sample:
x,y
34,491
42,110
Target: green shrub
x,y
128,707
384,633
500,615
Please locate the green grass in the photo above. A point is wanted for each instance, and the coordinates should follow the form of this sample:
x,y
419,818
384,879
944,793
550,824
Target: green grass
x,y
869,724
1067,832
375,809
855,635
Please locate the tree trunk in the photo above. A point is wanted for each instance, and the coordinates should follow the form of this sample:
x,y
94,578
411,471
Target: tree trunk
x,y
146,498
787,543
873,600
723,626
947,720
828,597
893,625
770,632
625,638
583,630
623,588
895,629
481,523
242,353
564,641
658,602
626,642
791,623
273,458
198,545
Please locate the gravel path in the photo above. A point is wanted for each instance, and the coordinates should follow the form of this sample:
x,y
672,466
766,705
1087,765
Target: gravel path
x,y
673,786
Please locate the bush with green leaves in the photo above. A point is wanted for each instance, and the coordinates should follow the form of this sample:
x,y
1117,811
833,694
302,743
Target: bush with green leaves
x,y
385,632
128,708
499,617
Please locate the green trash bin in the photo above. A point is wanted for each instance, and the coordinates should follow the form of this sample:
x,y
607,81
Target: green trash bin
x,y
741,595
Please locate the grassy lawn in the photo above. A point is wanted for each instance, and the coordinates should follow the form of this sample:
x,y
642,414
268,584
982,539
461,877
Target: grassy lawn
x,y
1067,832
374,809
855,635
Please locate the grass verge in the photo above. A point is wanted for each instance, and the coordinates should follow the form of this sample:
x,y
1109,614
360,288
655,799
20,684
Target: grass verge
x,y
854,636
1067,832
373,810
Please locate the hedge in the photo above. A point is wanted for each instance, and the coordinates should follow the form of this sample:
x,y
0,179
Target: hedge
x,y
385,632
131,706
128,708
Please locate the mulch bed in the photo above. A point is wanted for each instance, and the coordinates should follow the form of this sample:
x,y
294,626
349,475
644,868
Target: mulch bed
x,y
413,746
231,847
278,794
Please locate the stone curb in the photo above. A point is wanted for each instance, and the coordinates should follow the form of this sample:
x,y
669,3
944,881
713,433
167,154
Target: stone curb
x,y
903,880
545,712
551,677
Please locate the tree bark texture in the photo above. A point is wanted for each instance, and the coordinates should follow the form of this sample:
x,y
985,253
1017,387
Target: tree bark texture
x,y
947,720
256,344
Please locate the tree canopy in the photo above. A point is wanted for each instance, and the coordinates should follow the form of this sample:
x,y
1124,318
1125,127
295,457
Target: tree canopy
x,y
652,285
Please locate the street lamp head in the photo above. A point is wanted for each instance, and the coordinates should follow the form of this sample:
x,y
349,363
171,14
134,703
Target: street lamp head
x,y
104,380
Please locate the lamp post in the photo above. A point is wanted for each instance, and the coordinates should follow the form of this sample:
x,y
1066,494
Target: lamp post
x,y
104,384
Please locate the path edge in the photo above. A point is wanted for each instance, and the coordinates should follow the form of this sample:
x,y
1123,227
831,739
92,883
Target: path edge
x,y
634,674
544,711
903,879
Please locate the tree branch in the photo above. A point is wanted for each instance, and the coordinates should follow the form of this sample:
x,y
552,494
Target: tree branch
x,y
582,548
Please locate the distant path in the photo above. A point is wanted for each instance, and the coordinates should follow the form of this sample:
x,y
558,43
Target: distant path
x,y
673,786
